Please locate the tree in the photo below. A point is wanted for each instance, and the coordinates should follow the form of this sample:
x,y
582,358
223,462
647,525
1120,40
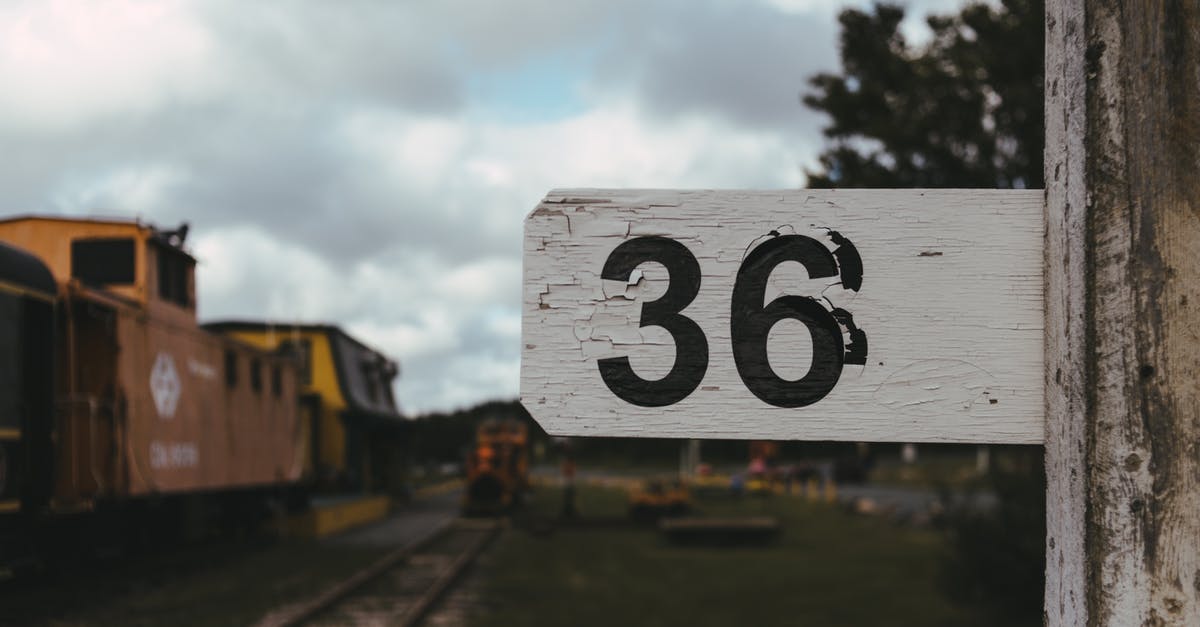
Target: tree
x,y
963,110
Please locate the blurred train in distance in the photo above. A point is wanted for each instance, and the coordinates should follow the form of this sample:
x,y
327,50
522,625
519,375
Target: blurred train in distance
x,y
497,467
353,433
121,415
27,296
124,421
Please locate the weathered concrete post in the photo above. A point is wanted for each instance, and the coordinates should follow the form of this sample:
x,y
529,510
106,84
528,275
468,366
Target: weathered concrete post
x,y
1123,312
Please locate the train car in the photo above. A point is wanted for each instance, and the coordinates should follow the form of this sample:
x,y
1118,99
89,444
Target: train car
x,y
355,434
497,468
129,400
27,296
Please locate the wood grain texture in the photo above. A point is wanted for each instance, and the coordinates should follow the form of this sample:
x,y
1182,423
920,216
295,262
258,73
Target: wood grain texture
x,y
1128,553
1066,323
951,302
1143,138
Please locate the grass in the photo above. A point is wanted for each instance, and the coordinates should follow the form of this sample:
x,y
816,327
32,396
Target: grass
x,y
828,568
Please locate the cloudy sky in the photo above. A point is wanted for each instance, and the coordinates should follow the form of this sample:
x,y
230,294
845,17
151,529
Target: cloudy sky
x,y
370,163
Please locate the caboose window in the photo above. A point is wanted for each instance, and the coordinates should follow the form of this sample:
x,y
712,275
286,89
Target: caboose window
x,y
368,374
303,350
173,276
256,375
230,368
12,380
103,261
276,381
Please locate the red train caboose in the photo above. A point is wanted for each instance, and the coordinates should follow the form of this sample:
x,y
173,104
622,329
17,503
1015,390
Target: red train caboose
x,y
145,405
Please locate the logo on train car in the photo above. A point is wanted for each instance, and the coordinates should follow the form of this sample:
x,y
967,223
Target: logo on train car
x,y
201,369
165,386
167,455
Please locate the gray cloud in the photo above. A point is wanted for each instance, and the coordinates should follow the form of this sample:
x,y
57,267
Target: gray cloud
x,y
340,162
744,61
379,52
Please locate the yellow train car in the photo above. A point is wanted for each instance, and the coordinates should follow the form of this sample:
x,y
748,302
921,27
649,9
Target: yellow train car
x,y
355,432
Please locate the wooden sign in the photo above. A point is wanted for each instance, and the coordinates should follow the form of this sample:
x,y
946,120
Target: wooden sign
x,y
872,315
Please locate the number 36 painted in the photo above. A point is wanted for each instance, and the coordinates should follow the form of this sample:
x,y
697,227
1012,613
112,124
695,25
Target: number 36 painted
x,y
750,321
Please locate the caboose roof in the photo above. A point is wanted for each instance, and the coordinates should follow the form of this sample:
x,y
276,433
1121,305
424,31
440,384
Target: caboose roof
x,y
346,351
145,229
134,222
263,326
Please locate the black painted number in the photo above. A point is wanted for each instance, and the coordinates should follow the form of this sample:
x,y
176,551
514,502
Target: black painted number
x,y
750,322
691,347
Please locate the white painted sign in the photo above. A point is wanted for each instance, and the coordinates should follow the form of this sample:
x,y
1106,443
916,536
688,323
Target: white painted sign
x,y
165,386
874,315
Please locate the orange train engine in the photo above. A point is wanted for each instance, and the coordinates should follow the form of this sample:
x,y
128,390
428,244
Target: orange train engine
x,y
497,468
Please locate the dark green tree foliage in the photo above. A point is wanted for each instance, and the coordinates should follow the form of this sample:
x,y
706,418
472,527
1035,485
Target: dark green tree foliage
x,y
448,436
964,110
996,560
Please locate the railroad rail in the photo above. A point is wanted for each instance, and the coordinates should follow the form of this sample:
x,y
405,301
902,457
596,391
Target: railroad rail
x,y
401,587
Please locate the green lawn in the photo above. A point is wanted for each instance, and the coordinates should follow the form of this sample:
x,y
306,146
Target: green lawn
x,y
928,472
828,568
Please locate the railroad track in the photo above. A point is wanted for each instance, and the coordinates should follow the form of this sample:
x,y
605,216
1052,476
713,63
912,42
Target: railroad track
x,y
401,587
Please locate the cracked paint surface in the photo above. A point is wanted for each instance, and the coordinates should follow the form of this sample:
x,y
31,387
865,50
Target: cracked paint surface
x,y
950,296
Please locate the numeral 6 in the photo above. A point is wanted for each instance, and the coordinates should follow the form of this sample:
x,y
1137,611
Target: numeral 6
x,y
750,321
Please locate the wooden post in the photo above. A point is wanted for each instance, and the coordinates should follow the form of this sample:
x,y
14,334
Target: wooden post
x,y
1122,312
